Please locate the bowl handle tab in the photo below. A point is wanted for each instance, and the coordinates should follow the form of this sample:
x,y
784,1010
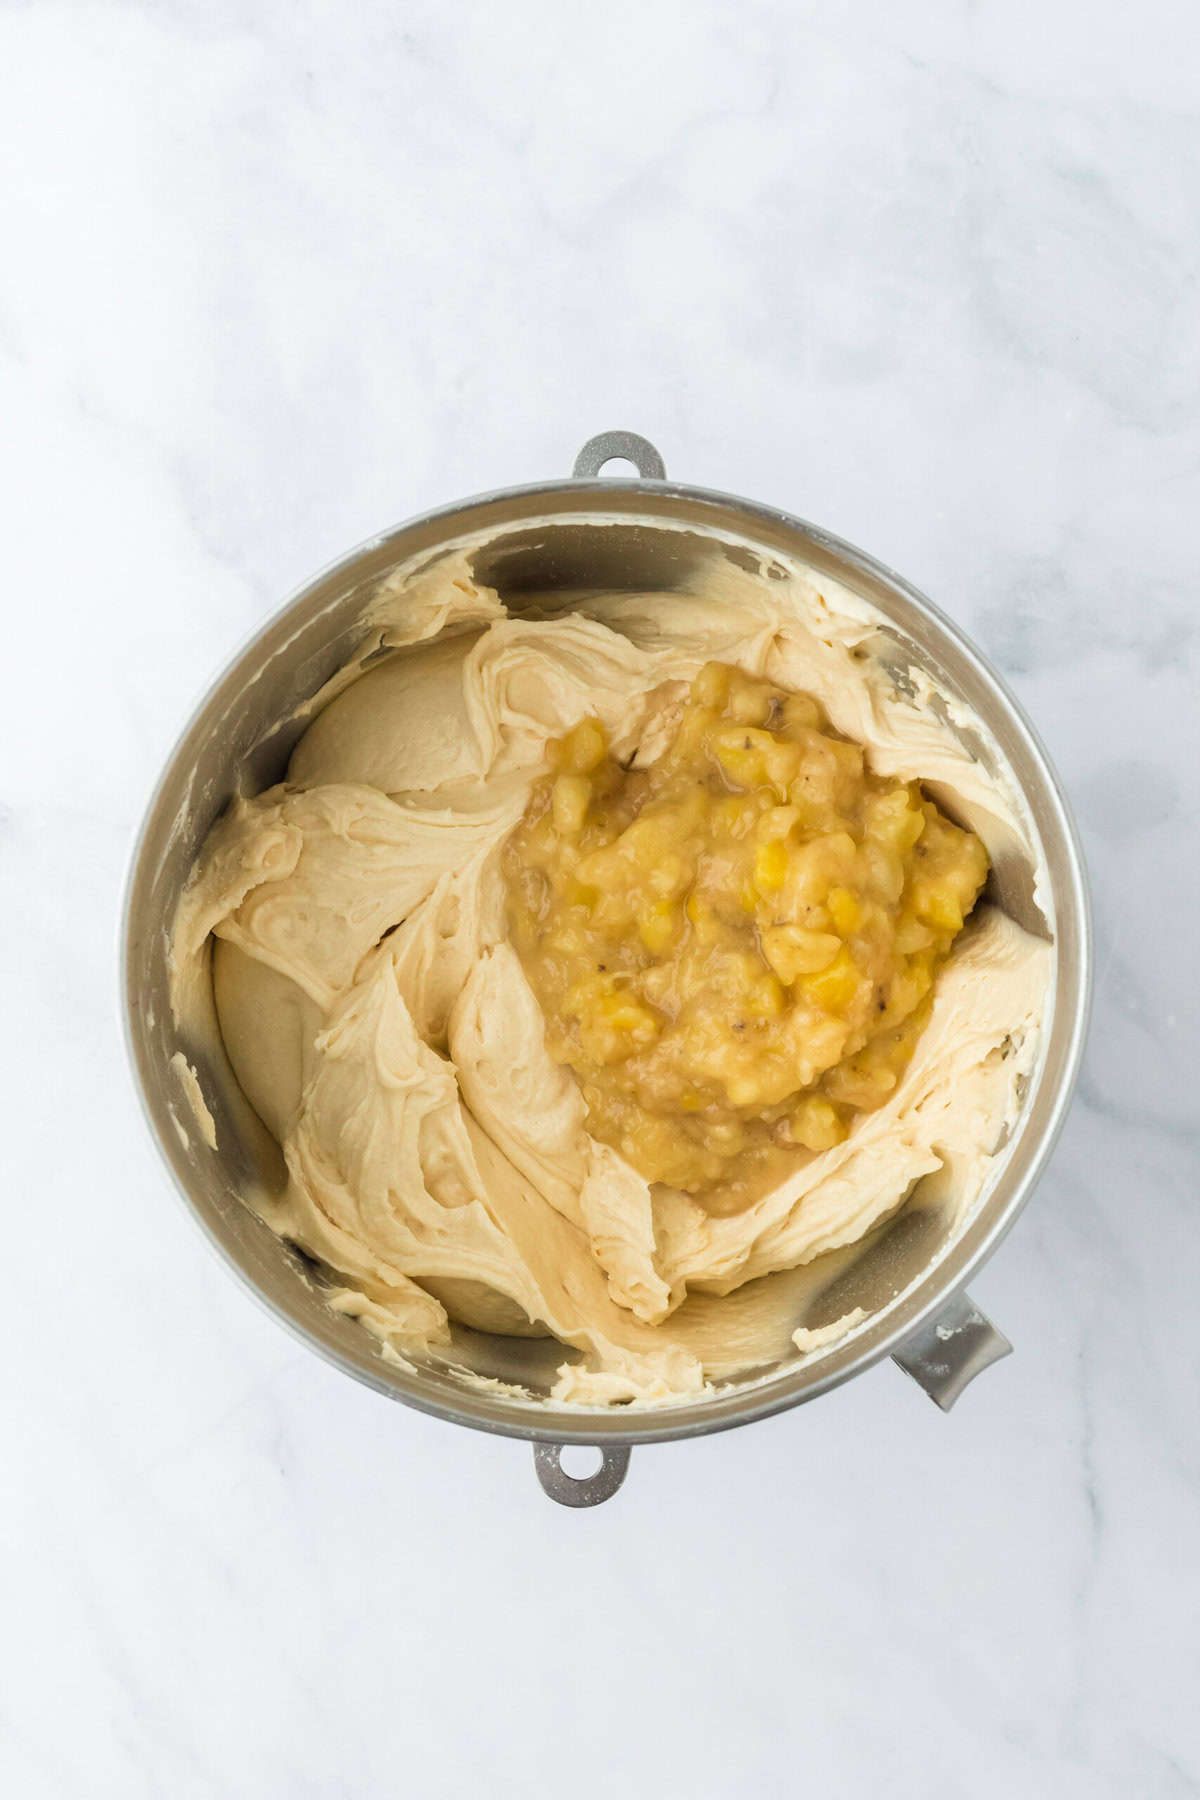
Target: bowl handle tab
x,y
576,1490
623,446
951,1350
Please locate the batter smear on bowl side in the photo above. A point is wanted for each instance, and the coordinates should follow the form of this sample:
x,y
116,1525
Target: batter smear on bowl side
x,y
589,966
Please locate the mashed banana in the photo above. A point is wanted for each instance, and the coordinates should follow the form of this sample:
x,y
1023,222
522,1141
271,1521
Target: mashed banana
x,y
588,967
732,948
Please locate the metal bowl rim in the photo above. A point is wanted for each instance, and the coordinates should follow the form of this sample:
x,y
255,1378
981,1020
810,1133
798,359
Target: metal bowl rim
x,y
618,1425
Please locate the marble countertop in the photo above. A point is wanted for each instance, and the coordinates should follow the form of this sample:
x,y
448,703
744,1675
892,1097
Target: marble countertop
x,y
274,277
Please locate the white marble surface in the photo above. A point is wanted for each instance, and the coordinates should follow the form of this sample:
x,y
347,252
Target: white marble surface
x,y
276,275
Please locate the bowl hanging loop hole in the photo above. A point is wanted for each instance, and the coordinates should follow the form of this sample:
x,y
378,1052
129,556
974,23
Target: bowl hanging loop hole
x,y
580,1490
623,446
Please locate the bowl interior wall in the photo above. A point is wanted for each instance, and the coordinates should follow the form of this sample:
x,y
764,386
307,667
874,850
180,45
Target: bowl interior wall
x,y
541,542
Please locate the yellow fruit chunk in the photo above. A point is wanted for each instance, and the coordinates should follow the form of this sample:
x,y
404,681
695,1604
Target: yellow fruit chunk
x,y
704,922
895,820
743,1090
835,988
906,990
792,951
783,763
800,713
754,758
912,935
669,877
934,901
862,1082
816,1124
779,822
657,926
750,704
600,868
582,749
569,803
770,867
763,999
844,909
578,893
742,754
730,816
880,871
624,1016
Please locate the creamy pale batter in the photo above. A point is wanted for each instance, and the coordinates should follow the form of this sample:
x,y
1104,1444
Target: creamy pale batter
x,y
382,1026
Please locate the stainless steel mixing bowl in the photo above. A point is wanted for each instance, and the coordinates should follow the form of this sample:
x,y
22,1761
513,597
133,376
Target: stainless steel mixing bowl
x,y
588,532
